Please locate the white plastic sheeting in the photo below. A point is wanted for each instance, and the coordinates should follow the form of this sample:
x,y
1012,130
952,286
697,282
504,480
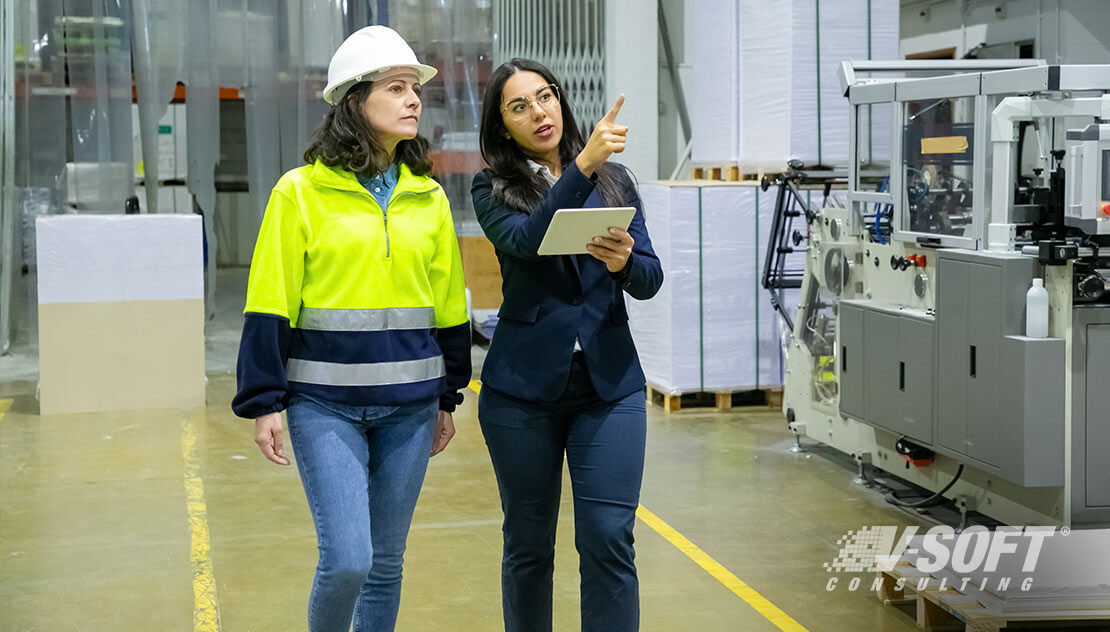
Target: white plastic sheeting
x,y
97,53
275,52
38,176
765,86
711,327
457,39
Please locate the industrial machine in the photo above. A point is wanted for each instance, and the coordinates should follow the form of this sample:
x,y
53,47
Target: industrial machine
x,y
908,349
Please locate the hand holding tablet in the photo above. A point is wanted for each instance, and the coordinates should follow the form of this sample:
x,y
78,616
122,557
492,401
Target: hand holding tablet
x,y
572,229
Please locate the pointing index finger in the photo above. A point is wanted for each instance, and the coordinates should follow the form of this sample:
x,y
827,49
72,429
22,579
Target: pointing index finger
x,y
611,115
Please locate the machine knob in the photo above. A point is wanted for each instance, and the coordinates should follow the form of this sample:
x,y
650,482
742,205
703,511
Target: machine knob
x,y
920,284
1092,286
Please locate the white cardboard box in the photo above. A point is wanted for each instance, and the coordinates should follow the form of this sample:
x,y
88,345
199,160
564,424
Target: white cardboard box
x,y
121,312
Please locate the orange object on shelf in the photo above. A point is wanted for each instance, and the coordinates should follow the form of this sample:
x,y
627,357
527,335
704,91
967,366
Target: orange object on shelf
x,y
226,94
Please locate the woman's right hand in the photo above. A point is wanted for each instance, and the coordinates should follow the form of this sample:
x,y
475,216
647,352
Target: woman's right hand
x,y
607,139
267,434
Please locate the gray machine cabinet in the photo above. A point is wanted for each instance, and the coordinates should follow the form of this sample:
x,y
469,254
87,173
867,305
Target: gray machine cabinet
x,y
1031,442
1090,415
916,375
953,357
880,356
993,384
851,362
893,385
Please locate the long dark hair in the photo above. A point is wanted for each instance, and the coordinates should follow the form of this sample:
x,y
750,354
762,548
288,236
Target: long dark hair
x,y
345,139
514,183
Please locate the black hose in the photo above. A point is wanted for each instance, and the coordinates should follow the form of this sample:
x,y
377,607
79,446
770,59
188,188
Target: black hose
x,y
931,500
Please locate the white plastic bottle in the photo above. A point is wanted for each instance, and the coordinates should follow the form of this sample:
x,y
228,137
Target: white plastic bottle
x,y
1036,310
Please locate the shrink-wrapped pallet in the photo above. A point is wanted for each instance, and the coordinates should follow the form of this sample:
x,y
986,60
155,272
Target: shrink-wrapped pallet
x,y
764,83
711,326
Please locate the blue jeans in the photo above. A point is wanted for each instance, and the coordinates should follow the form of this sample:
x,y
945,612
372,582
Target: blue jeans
x,y
604,447
362,468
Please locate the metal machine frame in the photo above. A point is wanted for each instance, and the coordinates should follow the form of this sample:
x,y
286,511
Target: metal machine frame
x,y
1029,462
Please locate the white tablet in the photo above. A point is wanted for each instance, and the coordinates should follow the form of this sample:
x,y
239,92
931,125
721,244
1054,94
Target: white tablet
x,y
571,229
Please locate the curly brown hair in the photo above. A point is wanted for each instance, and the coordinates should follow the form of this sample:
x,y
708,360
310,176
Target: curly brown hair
x,y
345,139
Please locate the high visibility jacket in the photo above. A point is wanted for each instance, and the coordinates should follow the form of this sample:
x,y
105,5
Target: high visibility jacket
x,y
351,302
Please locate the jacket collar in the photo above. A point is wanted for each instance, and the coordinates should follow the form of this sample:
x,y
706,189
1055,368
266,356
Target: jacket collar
x,y
340,178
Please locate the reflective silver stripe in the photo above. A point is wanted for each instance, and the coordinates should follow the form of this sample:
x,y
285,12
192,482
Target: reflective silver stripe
x,y
375,374
367,319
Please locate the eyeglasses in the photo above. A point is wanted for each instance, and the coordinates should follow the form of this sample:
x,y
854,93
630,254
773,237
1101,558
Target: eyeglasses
x,y
519,108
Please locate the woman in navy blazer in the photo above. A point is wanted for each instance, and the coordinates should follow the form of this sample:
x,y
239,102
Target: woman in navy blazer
x,y
562,375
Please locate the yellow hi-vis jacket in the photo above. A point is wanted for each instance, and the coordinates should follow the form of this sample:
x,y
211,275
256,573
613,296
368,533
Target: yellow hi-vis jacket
x,y
350,302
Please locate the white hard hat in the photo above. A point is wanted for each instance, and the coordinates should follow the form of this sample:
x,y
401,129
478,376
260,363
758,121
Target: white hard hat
x,y
367,53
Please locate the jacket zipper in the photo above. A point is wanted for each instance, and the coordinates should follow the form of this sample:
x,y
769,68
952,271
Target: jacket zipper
x,y
385,224
385,214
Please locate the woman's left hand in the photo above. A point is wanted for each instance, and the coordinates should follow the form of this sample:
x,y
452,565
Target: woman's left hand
x,y
445,429
613,249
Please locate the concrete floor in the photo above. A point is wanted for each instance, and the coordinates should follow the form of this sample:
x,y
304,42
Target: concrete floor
x,y
95,531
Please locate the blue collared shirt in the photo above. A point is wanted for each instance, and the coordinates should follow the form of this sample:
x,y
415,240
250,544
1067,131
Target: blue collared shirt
x,y
381,186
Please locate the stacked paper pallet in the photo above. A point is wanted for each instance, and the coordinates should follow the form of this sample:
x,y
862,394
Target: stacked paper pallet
x,y
765,86
711,327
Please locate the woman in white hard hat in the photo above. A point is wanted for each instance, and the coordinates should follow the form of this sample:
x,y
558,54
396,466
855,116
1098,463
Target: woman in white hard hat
x,y
356,325
562,378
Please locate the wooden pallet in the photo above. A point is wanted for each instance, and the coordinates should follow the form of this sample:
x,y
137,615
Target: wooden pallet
x,y
725,174
721,401
940,610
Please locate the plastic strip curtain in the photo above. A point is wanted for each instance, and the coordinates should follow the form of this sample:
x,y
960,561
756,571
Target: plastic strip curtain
x,y
39,183
159,46
163,31
455,38
7,169
275,52
285,47
202,125
96,44
567,37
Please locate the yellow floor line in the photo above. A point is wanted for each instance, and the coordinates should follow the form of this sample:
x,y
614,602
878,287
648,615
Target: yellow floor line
x,y
206,609
769,610
5,406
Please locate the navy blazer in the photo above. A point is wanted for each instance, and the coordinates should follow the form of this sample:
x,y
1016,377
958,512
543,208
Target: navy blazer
x,y
549,301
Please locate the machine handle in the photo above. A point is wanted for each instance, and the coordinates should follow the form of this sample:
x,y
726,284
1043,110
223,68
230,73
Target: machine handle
x,y
902,376
972,360
843,359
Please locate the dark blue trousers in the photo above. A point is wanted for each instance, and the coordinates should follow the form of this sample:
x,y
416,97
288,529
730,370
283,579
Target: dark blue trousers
x,y
604,447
